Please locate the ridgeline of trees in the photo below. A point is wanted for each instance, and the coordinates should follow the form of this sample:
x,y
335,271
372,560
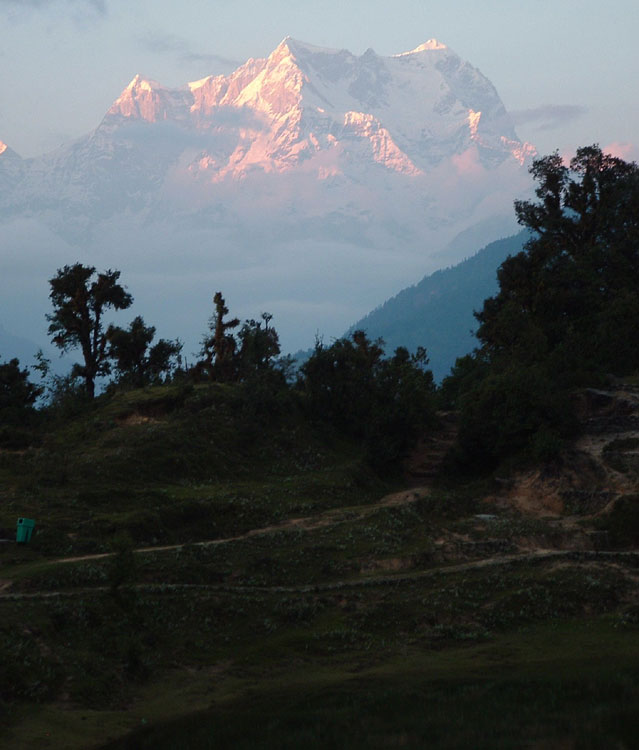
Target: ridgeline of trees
x,y
566,315
350,386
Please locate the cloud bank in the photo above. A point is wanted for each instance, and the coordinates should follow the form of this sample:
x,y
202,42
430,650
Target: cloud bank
x,y
184,52
549,116
623,149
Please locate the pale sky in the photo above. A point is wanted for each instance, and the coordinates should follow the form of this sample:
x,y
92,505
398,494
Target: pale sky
x,y
568,70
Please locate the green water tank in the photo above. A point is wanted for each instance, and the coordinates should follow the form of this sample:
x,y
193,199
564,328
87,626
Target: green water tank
x,y
24,530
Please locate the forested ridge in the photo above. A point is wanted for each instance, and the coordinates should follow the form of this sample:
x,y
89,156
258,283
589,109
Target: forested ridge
x,y
438,311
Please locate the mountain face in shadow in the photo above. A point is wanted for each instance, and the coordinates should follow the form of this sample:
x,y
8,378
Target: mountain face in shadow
x,y
438,312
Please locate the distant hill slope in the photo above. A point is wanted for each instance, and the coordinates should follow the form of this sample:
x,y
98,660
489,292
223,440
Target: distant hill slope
x,y
25,350
438,312
15,346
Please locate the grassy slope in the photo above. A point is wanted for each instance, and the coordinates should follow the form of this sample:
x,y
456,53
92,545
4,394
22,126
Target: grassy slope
x,y
332,633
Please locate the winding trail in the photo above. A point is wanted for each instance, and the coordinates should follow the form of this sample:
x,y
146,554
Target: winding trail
x,y
604,426
612,558
308,523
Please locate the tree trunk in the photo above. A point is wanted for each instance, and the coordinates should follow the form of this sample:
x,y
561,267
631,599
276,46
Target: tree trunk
x,y
90,386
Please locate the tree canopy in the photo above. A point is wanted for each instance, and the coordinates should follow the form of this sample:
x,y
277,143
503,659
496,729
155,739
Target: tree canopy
x,y
384,401
567,310
136,361
570,297
259,345
218,346
229,357
79,300
17,393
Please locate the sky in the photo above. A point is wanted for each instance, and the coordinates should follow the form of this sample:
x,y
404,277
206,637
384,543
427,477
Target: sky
x,y
567,70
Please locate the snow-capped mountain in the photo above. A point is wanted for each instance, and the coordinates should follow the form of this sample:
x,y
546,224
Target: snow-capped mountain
x,y
304,173
406,113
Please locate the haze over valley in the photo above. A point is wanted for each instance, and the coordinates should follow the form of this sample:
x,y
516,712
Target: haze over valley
x,y
312,184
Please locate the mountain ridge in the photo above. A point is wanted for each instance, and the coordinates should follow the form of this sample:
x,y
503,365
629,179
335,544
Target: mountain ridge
x,y
437,312
310,183
327,113
296,88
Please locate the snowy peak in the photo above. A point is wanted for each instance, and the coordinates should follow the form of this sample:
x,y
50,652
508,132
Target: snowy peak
x,y
146,99
300,171
7,153
427,46
142,84
312,114
406,113
296,47
210,94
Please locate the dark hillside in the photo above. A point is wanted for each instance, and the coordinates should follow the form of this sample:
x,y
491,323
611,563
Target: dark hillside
x,y
438,312
196,552
173,464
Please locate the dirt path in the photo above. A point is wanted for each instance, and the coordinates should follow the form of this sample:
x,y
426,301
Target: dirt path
x,y
309,523
586,484
611,415
612,559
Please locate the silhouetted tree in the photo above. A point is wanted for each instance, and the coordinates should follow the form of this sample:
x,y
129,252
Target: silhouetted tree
x,y
565,295
17,397
218,348
566,312
17,393
136,361
79,301
386,402
403,406
339,381
259,345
